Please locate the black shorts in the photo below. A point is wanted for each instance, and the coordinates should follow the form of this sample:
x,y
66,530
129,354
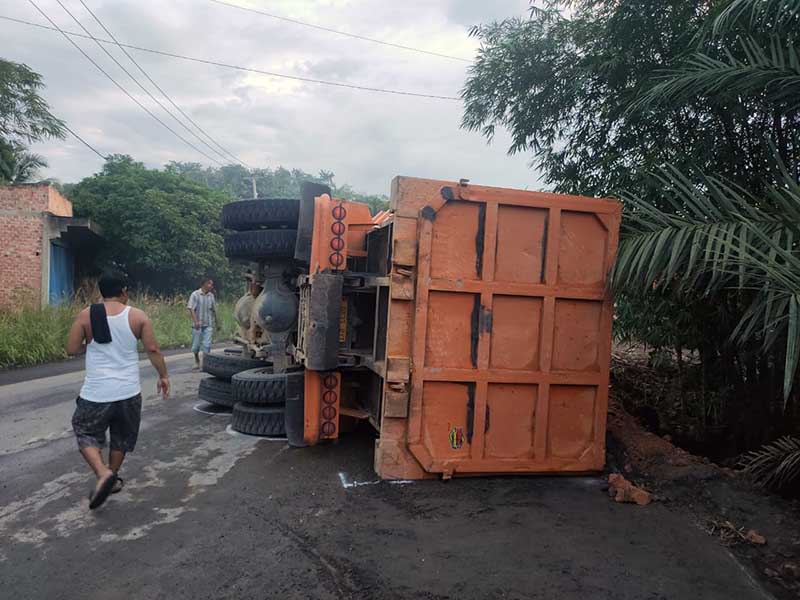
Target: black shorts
x,y
122,418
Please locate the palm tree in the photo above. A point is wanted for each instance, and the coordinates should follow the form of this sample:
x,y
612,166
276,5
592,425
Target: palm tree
x,y
708,237
709,234
17,164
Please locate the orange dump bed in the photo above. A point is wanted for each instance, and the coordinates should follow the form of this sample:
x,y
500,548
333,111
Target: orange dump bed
x,y
498,335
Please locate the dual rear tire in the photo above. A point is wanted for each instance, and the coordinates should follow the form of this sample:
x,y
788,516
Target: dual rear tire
x,y
262,228
256,395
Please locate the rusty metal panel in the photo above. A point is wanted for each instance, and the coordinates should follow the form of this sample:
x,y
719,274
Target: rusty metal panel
x,y
508,331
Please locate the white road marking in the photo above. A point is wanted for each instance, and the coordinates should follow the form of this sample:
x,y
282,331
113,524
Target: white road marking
x,y
50,437
199,406
346,484
234,433
168,515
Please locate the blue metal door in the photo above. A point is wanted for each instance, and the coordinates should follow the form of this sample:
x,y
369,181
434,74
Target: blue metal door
x,y
62,273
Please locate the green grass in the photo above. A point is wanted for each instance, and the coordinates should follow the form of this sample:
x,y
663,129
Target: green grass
x,y
32,336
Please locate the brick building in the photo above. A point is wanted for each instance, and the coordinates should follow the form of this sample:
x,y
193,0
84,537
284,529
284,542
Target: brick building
x,y
43,248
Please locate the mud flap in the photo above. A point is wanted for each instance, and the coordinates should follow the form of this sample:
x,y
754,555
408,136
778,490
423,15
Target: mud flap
x,y
305,222
295,413
324,311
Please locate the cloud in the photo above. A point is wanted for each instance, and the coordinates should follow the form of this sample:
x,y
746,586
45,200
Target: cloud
x,y
476,12
365,138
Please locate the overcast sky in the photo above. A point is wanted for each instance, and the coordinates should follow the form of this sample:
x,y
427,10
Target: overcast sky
x,y
365,138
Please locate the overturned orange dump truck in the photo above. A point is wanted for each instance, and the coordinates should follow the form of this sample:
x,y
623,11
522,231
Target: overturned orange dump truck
x,y
469,325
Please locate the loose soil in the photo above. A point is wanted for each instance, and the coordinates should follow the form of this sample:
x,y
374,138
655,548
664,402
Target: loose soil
x,y
719,500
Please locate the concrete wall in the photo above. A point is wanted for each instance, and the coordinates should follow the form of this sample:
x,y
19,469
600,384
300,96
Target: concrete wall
x,y
25,241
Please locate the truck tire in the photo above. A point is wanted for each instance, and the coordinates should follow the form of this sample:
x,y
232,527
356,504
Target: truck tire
x,y
216,391
247,215
259,386
258,420
262,243
227,365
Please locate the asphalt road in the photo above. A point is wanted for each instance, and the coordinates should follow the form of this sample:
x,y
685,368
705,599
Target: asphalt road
x,y
210,514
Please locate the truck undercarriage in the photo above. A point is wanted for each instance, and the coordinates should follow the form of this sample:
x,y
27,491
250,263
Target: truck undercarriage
x,y
470,326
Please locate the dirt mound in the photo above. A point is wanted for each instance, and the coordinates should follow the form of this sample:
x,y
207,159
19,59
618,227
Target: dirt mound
x,y
760,529
653,456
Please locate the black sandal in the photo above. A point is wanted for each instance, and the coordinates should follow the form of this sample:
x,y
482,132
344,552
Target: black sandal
x,y
120,483
101,495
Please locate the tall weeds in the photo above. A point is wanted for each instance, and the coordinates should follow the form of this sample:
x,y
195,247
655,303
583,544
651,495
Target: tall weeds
x,y
32,335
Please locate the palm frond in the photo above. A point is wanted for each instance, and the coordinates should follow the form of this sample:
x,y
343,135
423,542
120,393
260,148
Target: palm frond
x,y
17,165
776,465
773,71
772,14
26,166
701,237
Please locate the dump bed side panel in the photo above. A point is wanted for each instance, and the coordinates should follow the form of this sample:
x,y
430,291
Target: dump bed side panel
x,y
504,322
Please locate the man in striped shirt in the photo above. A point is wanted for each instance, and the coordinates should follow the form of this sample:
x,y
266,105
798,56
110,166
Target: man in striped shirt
x,y
203,308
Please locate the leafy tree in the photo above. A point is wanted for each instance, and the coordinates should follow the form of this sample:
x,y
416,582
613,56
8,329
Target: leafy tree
x,y
24,118
376,202
569,88
688,110
162,228
17,164
24,114
271,183
236,180
712,236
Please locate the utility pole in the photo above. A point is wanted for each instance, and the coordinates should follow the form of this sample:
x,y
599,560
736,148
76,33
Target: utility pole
x,y
255,191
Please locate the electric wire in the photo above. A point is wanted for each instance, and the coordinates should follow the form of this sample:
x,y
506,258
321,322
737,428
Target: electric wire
x,y
114,81
235,67
85,143
144,89
226,154
338,31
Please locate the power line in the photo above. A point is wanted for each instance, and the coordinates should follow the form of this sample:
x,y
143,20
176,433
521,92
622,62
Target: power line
x,y
85,143
338,31
236,67
114,81
163,93
144,89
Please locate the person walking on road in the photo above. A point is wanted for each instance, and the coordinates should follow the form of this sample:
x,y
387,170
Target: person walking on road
x,y
111,397
203,308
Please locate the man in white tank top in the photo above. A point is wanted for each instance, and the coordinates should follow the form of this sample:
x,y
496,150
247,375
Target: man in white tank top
x,y
111,398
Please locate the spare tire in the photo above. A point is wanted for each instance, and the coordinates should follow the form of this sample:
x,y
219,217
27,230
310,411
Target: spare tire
x,y
216,391
226,365
262,213
259,386
258,420
263,243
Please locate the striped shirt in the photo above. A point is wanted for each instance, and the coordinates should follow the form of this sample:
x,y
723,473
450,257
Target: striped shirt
x,y
204,306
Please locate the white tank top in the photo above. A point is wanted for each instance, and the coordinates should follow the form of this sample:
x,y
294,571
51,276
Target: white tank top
x,y
112,370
